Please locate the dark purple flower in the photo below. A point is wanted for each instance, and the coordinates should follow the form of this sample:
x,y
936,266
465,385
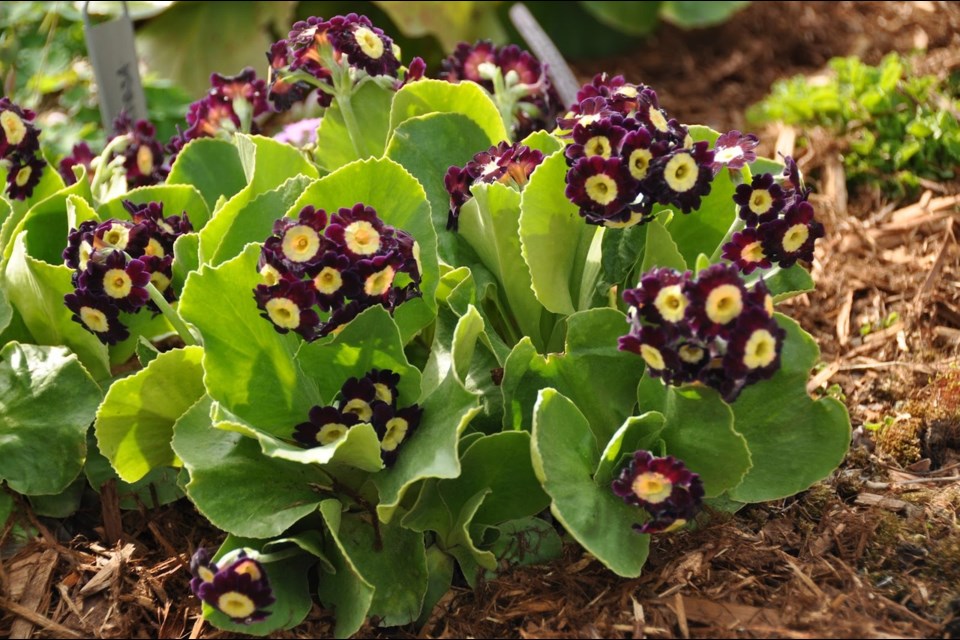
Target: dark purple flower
x,y
734,150
655,346
465,61
792,237
585,112
745,250
385,384
365,46
753,351
360,233
80,245
238,587
334,280
18,135
121,281
357,396
143,160
601,187
682,177
717,298
97,315
325,426
601,138
284,93
244,87
660,296
80,155
289,306
669,492
394,427
24,174
760,201
299,242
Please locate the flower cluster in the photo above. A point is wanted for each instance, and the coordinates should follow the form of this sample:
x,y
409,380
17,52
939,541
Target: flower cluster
x,y
710,329
504,163
20,150
238,587
115,261
136,154
669,492
371,399
780,225
354,262
316,52
514,77
233,104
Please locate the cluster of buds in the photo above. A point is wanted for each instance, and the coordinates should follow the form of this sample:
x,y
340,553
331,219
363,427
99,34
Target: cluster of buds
x,y
626,155
354,262
20,150
504,163
710,329
115,262
517,80
233,104
237,586
372,400
669,492
331,55
134,152
780,225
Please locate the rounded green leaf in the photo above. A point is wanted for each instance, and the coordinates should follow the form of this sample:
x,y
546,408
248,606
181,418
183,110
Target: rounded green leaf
x,y
637,433
135,422
433,96
565,454
177,199
210,165
794,440
235,486
691,14
370,103
47,402
399,201
248,366
635,18
48,219
555,239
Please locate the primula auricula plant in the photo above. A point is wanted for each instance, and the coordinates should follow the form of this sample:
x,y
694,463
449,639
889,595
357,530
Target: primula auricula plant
x,y
459,307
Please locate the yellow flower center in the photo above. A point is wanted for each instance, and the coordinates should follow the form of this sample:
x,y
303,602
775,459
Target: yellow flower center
x,y
94,319
13,127
330,433
760,202
379,283
86,249
753,252
248,567
160,281
117,236
760,350
236,604
270,275
384,392
588,119
284,313
601,188
724,304
359,408
658,120
795,237
671,303
23,176
370,43
154,248
598,146
681,172
652,356
117,284
627,92
205,574
396,431
691,354
652,487
768,304
639,163
688,142
635,217
361,238
328,281
145,160
301,243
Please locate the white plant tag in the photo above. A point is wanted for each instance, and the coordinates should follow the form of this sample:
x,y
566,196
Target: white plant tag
x,y
113,55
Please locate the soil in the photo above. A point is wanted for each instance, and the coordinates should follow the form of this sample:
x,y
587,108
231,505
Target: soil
x,y
873,551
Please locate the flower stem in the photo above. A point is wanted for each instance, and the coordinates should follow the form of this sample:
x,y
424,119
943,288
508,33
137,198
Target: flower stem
x,y
100,175
737,225
172,316
350,119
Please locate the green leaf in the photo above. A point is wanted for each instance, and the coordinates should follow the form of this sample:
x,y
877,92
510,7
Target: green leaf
x,y
248,366
371,108
146,352
432,96
176,199
490,223
288,578
212,166
661,250
592,371
345,590
61,505
565,454
450,23
700,431
637,433
691,14
794,440
158,487
544,142
635,18
36,291
555,240
787,283
6,311
235,486
623,249
47,402
439,577
186,258
524,542
188,42
397,569
399,201
48,218
135,421
427,146
254,223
